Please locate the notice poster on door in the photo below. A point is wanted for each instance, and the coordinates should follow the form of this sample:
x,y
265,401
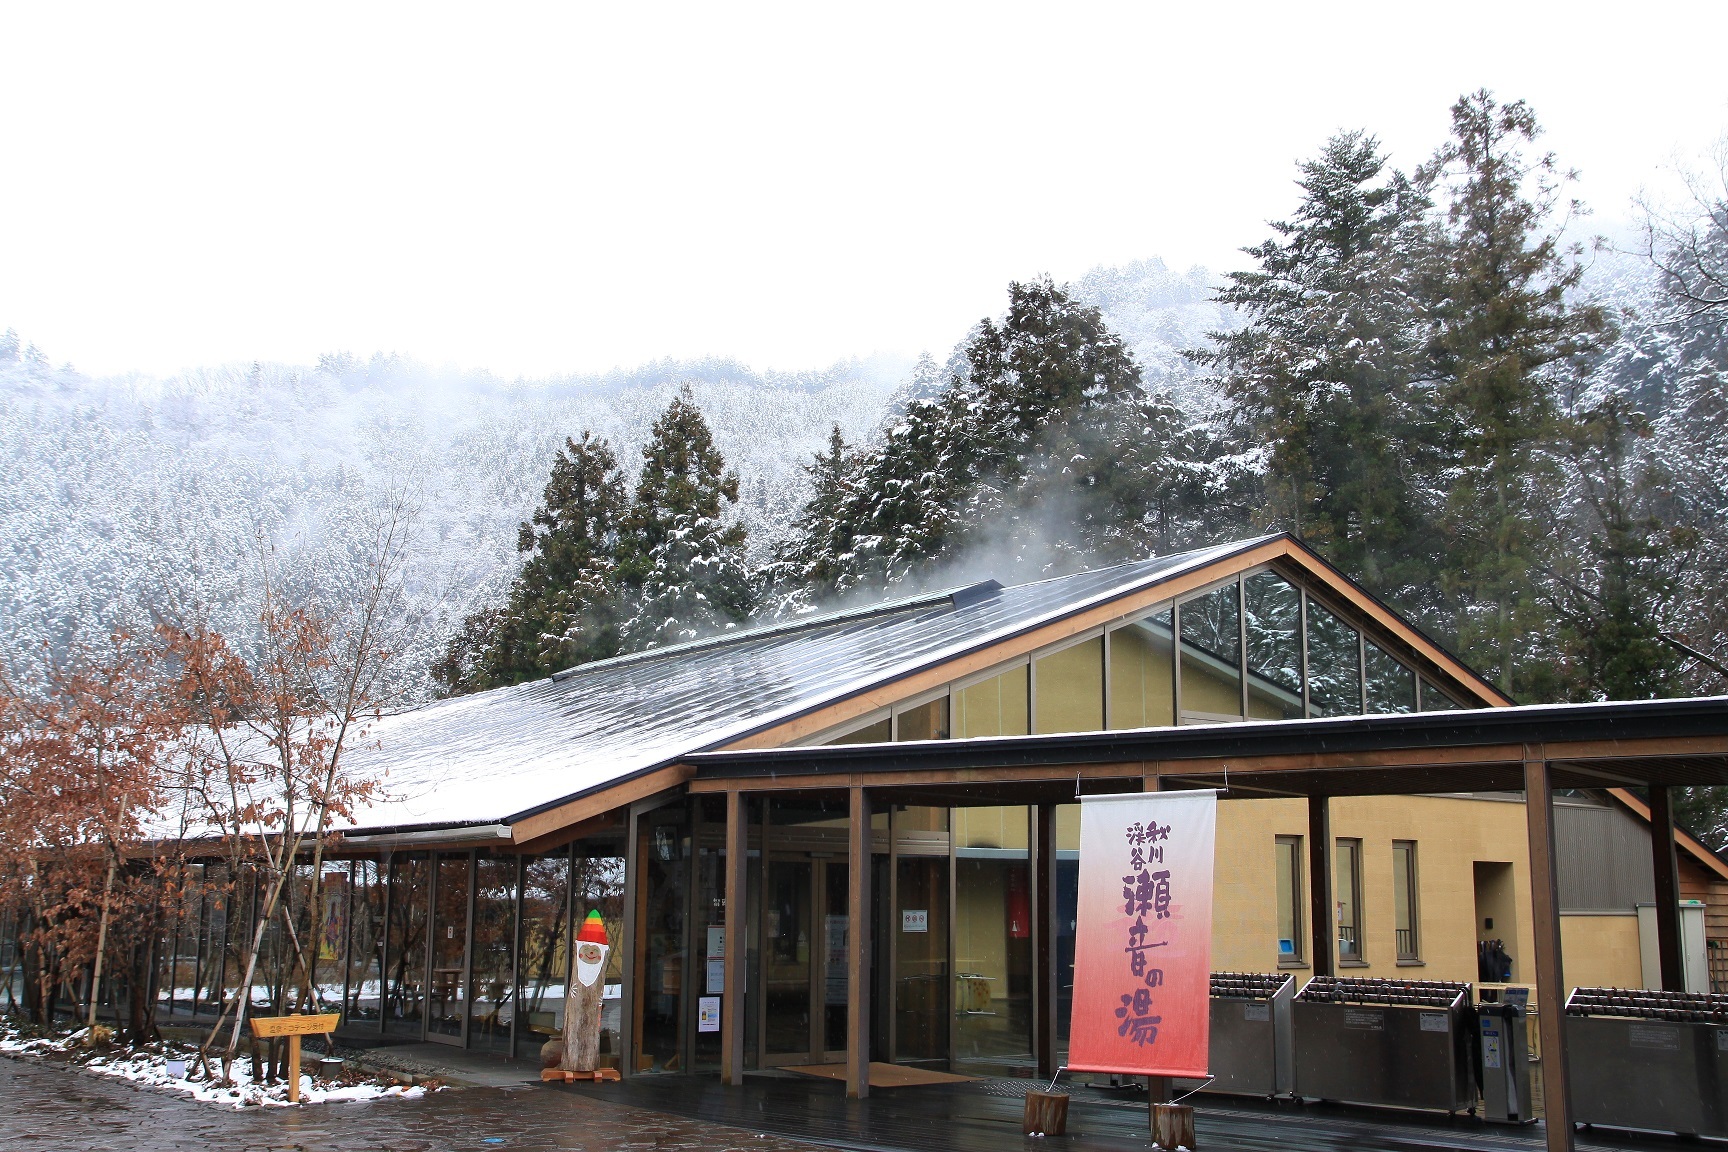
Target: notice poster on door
x,y
1143,934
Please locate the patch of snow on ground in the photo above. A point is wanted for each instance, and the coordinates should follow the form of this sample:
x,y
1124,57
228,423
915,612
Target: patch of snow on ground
x,y
149,1068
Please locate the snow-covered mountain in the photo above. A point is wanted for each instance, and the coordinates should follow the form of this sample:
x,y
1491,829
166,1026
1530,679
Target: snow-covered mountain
x,y
124,500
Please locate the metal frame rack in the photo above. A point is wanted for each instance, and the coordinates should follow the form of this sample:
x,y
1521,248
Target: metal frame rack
x,y
1646,1059
1400,1043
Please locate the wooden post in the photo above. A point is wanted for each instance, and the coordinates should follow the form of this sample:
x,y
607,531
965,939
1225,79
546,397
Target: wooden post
x,y
1550,976
1172,1126
858,947
293,1069
1667,870
1322,932
732,987
1044,984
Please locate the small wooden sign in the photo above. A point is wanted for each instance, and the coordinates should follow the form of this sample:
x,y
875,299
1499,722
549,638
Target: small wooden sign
x,y
268,1027
294,1027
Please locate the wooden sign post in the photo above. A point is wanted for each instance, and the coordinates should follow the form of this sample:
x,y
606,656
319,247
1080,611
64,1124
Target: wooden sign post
x,y
294,1027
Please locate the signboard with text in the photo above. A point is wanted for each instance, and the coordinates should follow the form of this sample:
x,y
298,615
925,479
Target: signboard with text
x,y
1143,946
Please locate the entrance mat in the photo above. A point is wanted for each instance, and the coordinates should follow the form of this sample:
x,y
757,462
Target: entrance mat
x,y
882,1075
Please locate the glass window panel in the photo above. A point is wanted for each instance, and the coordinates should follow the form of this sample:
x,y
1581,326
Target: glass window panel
x,y
1334,656
1391,686
1142,673
993,941
1434,700
545,938
1347,882
404,998
1274,647
877,733
1406,926
1289,883
921,976
597,880
366,945
492,985
993,707
991,828
925,722
1212,657
665,851
1068,687
449,944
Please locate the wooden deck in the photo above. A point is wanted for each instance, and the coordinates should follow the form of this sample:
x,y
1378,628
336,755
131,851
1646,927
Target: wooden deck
x,y
985,1116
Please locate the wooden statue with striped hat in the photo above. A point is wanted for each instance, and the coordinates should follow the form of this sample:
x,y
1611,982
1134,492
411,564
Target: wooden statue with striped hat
x,y
582,1002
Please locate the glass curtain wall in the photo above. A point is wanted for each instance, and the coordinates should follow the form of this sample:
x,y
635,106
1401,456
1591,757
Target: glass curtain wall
x,y
1274,656
1334,665
1143,673
665,880
545,956
996,706
1211,690
992,940
707,931
1390,685
405,955
922,1012
492,974
332,944
365,976
446,997
598,886
1068,689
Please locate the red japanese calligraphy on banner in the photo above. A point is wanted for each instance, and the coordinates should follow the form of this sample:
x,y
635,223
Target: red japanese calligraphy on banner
x,y
1143,945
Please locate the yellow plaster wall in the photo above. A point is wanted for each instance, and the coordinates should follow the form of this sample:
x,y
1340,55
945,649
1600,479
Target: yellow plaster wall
x,y
1601,951
1450,835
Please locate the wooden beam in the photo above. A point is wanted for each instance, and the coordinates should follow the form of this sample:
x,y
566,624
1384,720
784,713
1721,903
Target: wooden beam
x,y
1667,870
598,803
1045,989
1321,933
858,946
732,1000
1550,971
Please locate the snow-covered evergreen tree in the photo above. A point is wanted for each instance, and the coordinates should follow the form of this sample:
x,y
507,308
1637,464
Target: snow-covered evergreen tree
x,y
565,604
681,554
1324,377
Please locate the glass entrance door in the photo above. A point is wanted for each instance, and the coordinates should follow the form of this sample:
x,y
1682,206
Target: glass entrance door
x,y
804,969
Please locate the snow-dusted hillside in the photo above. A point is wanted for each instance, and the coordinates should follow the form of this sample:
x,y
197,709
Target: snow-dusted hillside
x,y
124,500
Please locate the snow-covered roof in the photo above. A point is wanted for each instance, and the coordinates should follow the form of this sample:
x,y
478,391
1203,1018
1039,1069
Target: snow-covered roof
x,y
496,757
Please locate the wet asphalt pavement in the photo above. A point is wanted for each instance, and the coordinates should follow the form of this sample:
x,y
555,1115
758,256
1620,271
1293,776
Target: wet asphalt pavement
x,y
49,1109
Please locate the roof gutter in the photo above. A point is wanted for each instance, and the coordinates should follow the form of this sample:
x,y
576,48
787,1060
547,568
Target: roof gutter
x,y
469,834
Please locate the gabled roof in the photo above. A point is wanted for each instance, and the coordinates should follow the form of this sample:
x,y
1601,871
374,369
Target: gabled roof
x,y
501,756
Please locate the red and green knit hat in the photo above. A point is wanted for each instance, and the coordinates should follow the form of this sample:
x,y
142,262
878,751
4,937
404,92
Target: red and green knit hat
x,y
593,930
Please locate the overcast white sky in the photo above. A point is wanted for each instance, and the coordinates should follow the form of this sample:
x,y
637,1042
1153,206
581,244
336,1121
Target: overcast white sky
x,y
537,189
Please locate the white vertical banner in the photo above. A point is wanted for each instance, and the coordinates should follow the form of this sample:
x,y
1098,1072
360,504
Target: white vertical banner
x,y
1143,944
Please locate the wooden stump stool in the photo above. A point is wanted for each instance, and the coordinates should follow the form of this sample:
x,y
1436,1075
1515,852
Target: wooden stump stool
x,y
1173,1126
1046,1113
